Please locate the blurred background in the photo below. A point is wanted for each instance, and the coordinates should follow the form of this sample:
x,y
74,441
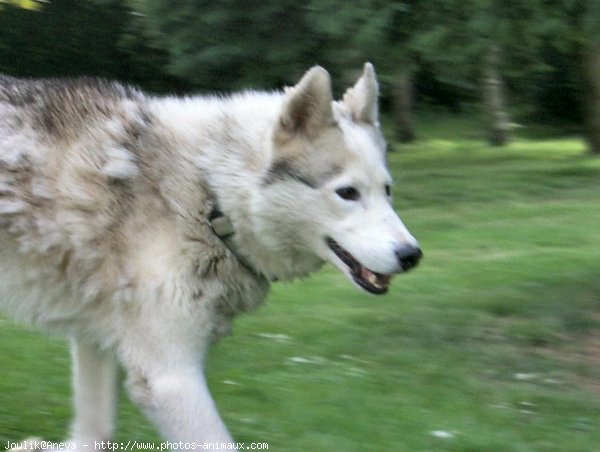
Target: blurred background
x,y
492,113
534,60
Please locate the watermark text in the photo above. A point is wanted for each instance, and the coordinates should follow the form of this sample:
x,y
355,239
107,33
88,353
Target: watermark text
x,y
113,446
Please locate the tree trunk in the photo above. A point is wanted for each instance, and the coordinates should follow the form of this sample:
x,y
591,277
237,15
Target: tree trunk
x,y
591,73
403,108
493,99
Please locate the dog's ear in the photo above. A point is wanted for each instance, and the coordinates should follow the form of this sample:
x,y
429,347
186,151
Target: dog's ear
x,y
307,106
362,98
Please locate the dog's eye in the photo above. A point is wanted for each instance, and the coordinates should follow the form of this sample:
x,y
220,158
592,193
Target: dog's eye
x,y
388,190
348,193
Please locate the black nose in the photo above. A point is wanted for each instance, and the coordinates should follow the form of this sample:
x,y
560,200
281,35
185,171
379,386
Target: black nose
x,y
409,257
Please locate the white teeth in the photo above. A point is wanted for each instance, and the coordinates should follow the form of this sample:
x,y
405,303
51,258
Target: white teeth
x,y
372,279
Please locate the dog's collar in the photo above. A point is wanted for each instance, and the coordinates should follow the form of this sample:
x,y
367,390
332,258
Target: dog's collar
x,y
220,224
223,228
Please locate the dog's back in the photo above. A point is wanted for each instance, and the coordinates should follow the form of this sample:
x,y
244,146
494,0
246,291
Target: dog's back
x,y
66,173
90,183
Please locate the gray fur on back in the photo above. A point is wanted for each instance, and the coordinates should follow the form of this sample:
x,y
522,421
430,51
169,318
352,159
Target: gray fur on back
x,y
85,172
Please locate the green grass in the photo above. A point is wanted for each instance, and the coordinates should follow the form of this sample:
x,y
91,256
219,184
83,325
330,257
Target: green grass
x,y
491,339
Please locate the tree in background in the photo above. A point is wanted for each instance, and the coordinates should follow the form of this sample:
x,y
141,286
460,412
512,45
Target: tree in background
x,y
545,53
589,42
229,44
591,71
550,56
380,31
66,37
493,94
80,38
483,43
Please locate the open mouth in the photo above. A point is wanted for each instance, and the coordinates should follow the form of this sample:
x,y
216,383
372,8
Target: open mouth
x,y
371,281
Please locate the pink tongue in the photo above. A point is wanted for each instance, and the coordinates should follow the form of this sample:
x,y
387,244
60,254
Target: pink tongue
x,y
365,273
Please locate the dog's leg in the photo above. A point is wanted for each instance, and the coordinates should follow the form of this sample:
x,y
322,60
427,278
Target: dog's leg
x,y
165,378
95,393
180,405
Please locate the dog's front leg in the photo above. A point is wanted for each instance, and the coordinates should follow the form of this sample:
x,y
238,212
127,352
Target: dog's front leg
x,y
165,378
179,403
95,393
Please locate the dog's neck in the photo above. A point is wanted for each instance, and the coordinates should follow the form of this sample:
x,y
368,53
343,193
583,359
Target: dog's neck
x,y
230,142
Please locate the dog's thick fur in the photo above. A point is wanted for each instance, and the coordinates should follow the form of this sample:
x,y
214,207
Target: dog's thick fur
x,y
107,201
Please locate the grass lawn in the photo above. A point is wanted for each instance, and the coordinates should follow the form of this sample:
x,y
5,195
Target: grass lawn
x,y
492,344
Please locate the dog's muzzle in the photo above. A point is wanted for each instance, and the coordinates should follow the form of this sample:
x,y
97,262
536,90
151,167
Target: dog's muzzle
x,y
371,281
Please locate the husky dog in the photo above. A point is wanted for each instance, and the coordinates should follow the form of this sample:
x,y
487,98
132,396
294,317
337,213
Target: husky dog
x,y
139,225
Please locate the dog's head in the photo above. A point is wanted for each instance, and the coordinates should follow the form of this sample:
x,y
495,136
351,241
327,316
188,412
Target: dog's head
x,y
328,187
